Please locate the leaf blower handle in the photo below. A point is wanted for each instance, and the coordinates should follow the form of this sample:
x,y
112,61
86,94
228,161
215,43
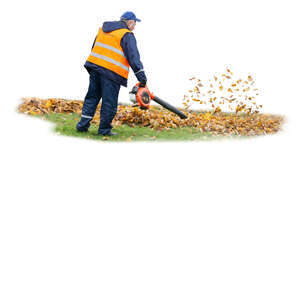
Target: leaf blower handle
x,y
143,84
169,107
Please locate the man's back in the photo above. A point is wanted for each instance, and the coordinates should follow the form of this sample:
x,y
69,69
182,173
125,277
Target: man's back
x,y
129,46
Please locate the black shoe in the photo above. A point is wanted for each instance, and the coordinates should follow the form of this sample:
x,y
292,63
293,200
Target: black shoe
x,y
82,129
108,134
85,130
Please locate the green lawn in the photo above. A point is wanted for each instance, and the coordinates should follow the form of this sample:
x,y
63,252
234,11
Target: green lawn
x,y
65,125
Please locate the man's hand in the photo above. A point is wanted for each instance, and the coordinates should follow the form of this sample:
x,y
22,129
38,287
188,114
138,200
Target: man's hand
x,y
143,84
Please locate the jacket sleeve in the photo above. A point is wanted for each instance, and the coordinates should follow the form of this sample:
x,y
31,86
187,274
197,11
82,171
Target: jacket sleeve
x,y
94,43
129,46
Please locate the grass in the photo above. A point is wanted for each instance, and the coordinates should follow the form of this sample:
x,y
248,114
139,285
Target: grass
x,y
65,125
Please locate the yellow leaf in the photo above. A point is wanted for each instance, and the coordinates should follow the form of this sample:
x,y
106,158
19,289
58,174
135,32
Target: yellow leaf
x,y
48,103
218,109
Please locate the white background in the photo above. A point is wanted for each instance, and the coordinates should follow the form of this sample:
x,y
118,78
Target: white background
x,y
199,220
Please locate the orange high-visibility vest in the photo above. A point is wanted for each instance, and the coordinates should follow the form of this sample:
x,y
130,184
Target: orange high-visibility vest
x,y
108,53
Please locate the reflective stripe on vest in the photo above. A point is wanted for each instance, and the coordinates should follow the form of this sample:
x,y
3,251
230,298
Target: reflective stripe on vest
x,y
108,53
109,60
110,48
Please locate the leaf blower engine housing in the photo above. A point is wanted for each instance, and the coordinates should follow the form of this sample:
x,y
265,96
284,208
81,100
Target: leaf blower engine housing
x,y
142,96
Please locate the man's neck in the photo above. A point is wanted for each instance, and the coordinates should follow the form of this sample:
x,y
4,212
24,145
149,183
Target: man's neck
x,y
125,23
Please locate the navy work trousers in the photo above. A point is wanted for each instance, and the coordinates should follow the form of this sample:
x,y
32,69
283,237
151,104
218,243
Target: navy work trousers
x,y
108,90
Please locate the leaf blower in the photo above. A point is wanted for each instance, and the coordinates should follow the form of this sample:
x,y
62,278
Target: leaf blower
x,y
141,96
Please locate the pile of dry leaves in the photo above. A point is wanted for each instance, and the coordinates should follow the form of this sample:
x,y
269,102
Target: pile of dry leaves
x,y
216,122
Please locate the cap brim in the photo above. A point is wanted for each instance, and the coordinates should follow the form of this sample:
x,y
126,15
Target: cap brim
x,y
138,20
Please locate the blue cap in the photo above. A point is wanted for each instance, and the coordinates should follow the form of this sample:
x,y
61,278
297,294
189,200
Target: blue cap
x,y
129,15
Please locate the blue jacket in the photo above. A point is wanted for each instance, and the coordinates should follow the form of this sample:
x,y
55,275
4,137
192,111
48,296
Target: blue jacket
x,y
129,46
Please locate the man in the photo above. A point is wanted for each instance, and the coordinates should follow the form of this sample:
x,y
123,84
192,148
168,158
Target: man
x,y
113,51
